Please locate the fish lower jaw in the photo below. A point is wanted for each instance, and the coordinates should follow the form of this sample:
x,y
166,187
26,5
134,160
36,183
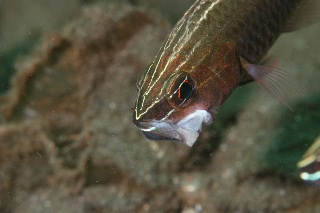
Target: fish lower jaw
x,y
186,130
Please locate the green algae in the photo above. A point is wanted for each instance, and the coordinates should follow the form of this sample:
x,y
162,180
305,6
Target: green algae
x,y
298,131
7,61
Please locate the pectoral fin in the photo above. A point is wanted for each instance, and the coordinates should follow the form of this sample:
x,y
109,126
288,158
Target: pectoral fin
x,y
278,83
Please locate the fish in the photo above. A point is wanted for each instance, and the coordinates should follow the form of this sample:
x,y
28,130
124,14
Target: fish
x,y
309,164
215,47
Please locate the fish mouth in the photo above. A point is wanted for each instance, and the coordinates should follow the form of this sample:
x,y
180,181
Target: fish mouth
x,y
153,135
159,130
186,130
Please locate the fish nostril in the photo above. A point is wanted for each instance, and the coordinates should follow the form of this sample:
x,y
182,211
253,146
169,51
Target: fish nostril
x,y
139,122
135,121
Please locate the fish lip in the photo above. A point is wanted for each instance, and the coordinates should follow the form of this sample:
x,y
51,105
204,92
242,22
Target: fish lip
x,y
154,136
185,130
168,131
151,132
144,126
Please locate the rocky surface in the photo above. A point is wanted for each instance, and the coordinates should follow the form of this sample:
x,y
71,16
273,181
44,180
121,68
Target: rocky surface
x,y
36,17
25,20
68,143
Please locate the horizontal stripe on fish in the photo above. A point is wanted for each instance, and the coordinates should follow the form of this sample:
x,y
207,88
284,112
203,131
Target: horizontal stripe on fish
x,y
215,47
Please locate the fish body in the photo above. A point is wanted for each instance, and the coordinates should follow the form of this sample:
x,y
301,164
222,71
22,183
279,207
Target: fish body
x,y
215,47
309,165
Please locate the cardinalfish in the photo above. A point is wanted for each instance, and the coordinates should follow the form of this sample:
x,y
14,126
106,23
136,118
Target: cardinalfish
x,y
309,165
215,47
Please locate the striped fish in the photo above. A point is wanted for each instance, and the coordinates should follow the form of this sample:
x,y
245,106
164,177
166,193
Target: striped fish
x,y
309,165
215,47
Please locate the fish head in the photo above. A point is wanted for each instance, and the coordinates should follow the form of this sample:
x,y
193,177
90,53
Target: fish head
x,y
174,106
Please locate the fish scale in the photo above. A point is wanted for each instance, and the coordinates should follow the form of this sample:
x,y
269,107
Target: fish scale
x,y
258,28
253,28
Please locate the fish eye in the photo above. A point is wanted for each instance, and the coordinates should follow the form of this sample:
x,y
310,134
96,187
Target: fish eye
x,y
180,90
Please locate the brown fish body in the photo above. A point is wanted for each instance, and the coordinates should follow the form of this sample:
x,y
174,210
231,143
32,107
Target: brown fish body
x,y
206,56
250,27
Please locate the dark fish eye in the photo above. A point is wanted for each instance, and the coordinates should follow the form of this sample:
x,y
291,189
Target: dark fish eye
x,y
180,90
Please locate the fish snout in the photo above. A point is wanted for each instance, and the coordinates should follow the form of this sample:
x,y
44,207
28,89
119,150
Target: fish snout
x,y
136,121
154,130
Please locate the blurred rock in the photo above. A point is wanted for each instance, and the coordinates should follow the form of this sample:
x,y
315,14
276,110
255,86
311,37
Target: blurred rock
x,y
68,143
38,16
172,10
74,96
20,22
